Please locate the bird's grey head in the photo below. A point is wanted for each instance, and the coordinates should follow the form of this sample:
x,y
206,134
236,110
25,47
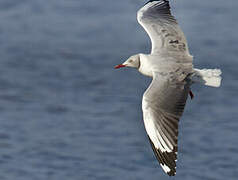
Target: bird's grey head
x,y
133,61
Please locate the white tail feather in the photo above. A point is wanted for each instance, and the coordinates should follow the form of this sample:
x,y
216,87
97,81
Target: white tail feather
x,y
208,77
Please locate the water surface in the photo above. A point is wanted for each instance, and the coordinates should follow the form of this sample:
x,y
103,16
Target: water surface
x,y
65,113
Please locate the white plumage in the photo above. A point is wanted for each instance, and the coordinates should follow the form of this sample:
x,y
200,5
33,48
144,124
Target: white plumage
x,y
170,66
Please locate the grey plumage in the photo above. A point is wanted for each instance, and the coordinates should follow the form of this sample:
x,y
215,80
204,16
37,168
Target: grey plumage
x,y
164,101
162,27
171,67
163,105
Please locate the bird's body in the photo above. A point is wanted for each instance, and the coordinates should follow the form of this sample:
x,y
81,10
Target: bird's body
x,y
171,67
159,63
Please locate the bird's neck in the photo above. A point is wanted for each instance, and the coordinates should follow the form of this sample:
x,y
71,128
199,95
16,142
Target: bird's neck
x,y
145,67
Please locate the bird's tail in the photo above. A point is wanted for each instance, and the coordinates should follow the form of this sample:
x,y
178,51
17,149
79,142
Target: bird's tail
x,y
208,77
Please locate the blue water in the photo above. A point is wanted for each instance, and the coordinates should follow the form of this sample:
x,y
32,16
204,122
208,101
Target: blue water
x,y
66,114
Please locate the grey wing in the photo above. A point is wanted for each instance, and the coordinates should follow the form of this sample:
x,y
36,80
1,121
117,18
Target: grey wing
x,y
163,104
165,34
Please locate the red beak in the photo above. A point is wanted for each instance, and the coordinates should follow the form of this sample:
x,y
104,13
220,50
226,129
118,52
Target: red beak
x,y
119,66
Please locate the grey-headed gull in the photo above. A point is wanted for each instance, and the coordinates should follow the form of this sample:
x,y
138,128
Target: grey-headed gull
x,y
171,67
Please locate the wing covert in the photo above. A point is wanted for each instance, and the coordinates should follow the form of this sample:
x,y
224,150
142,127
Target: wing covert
x,y
165,34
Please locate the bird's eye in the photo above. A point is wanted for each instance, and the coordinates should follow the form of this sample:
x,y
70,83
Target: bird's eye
x,y
130,61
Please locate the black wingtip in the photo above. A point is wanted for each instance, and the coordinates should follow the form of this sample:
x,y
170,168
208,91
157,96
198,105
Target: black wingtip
x,y
155,0
165,158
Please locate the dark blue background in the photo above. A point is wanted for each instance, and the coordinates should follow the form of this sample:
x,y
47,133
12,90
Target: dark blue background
x,y
66,114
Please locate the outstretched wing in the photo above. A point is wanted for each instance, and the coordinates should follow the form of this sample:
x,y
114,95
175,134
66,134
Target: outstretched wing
x,y
165,34
163,104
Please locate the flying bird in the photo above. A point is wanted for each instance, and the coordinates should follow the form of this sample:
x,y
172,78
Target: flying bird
x,y
171,67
